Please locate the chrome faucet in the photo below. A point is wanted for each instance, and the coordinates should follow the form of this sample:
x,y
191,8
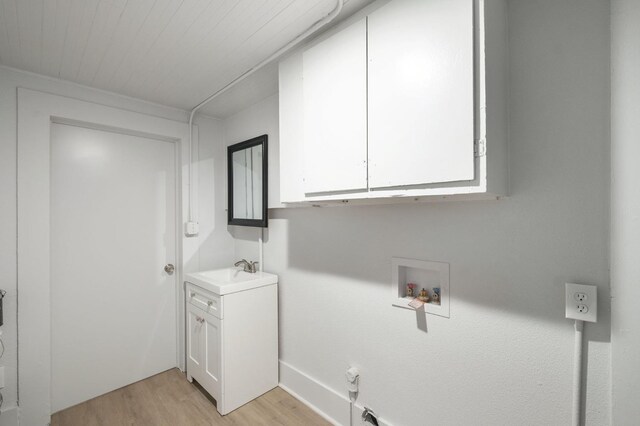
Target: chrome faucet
x,y
248,266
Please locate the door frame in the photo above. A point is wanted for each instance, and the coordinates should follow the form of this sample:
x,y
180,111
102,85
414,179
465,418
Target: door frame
x,y
36,112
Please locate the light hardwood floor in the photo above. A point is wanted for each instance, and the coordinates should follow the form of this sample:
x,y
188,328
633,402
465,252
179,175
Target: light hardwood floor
x,y
169,399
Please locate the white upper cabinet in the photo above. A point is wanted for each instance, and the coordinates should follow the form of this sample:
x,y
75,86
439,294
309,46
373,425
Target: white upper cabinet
x,y
406,99
420,93
335,112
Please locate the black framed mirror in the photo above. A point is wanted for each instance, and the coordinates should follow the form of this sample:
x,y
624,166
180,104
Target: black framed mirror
x,y
247,182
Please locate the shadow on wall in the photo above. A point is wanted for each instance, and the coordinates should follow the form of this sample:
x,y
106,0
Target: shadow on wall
x,y
214,244
513,254
499,259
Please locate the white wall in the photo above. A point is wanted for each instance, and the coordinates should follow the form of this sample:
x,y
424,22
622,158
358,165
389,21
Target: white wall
x,y
217,246
625,210
259,119
505,356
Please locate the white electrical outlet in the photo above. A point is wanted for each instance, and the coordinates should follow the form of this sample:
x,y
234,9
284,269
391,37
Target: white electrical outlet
x,y
581,302
580,297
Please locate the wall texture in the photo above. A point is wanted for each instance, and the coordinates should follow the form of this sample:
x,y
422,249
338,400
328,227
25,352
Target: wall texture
x,y
258,119
505,356
215,242
625,210
216,245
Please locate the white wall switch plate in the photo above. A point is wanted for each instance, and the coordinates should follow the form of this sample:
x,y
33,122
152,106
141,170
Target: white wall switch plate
x,y
581,302
1,377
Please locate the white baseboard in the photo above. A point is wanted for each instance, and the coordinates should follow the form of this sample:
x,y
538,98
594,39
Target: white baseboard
x,y
328,403
9,416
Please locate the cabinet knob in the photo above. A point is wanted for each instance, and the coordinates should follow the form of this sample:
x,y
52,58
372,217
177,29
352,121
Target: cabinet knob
x,y
193,294
209,303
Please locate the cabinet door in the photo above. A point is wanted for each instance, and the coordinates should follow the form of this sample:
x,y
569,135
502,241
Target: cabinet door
x,y
212,357
194,342
335,112
291,101
421,115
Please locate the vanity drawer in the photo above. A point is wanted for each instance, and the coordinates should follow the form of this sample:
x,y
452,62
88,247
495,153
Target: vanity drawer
x,y
204,300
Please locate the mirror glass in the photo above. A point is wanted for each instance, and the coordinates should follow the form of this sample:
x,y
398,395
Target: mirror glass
x,y
247,162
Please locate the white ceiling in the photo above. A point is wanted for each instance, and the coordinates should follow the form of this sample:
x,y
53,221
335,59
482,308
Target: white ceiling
x,y
173,52
253,89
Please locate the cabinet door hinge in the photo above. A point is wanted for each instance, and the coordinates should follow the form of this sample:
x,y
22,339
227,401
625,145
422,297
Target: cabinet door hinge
x,y
479,147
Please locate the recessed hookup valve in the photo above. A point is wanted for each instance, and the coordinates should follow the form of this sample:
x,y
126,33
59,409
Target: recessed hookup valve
x,y
368,416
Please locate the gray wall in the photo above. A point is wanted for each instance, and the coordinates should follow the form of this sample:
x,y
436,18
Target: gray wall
x,y
505,356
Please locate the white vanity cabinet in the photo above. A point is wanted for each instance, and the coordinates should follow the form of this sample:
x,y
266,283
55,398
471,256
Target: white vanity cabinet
x,y
232,337
434,108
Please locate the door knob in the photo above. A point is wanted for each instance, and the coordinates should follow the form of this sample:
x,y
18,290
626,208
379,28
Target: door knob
x,y
169,268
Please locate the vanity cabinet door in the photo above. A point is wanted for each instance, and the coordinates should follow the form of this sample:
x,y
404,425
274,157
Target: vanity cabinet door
x,y
421,93
204,350
212,357
335,112
194,342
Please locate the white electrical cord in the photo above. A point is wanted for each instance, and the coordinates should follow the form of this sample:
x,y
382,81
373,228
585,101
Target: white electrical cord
x,y
352,400
353,382
313,28
2,294
577,373
350,413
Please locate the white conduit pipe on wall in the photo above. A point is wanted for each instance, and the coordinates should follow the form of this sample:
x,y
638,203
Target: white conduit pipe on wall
x,y
577,373
260,246
313,28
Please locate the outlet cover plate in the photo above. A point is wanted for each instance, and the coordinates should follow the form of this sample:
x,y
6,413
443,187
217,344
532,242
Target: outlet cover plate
x,y
574,306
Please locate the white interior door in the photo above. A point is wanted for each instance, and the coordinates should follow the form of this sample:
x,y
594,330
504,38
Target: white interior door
x,y
113,218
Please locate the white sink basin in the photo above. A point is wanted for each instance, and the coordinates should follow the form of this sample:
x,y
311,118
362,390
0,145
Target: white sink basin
x,y
230,280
